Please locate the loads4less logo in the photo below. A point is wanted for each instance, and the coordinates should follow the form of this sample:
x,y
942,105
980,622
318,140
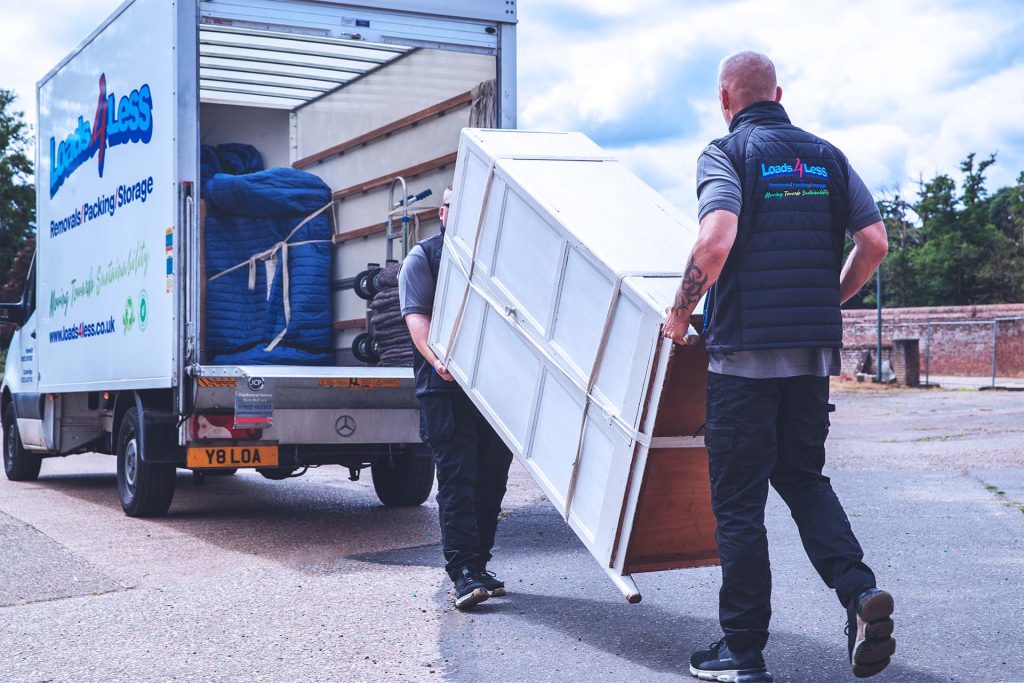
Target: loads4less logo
x,y
798,168
117,122
128,318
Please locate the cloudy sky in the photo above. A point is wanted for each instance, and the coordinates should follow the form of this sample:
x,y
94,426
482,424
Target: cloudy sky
x,y
906,88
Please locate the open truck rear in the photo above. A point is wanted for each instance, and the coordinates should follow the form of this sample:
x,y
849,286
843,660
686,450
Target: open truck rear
x,y
112,354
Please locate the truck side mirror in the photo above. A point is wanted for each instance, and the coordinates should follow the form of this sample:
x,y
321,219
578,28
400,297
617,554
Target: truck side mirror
x,y
14,314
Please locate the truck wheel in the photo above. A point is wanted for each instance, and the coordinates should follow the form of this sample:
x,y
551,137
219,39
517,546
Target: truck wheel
x,y
225,472
277,473
19,464
145,489
404,480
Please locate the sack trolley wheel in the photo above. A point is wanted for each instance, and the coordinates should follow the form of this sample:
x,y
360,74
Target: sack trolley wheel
x,y
362,349
365,283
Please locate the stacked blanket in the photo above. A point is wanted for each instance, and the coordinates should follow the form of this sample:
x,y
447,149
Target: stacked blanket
x,y
256,215
233,158
391,337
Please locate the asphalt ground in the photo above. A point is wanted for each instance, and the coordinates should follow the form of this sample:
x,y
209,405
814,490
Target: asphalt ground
x,y
312,580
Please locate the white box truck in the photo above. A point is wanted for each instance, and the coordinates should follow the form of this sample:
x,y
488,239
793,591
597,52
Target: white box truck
x,y
111,352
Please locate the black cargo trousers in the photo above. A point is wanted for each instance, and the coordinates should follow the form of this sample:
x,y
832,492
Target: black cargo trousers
x,y
773,430
472,472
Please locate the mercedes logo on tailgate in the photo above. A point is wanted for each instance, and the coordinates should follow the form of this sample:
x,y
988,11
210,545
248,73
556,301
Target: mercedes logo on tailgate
x,y
345,426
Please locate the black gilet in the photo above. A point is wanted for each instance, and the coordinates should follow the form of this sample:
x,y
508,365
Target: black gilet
x,y
427,380
779,287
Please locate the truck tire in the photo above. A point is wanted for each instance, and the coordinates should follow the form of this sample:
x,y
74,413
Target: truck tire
x,y
145,489
225,472
404,480
277,473
19,464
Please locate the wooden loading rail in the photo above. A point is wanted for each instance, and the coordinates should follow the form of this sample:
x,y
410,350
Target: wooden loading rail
x,y
439,109
385,180
351,324
378,228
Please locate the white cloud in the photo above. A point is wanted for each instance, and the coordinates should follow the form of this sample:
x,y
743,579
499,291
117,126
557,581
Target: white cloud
x,y
904,88
37,36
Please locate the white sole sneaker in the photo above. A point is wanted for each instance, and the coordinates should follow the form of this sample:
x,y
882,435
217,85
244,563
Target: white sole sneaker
x,y
733,675
472,599
873,645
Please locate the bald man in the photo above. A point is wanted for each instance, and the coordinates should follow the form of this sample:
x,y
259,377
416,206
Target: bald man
x,y
776,204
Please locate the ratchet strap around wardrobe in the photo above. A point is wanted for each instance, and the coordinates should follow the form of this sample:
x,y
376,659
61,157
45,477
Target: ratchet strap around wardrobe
x,y
269,258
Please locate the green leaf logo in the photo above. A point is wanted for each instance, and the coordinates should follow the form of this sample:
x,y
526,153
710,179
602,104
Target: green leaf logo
x,y
128,319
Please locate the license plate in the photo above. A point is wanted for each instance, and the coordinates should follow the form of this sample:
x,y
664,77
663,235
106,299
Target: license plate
x,y
200,457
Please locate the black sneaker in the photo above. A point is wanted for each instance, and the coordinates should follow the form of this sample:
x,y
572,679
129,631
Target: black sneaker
x,y
469,589
720,664
869,632
494,585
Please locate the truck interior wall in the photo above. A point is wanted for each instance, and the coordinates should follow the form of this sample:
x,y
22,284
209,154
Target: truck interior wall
x,y
407,85
264,129
424,80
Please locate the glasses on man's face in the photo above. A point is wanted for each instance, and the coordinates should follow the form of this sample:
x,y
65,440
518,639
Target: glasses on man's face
x,y
446,205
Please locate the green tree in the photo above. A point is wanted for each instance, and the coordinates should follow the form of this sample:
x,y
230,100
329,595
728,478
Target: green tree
x,y
939,261
1006,215
990,251
899,280
17,190
954,244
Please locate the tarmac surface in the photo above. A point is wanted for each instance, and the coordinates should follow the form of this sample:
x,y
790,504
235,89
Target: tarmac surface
x,y
312,580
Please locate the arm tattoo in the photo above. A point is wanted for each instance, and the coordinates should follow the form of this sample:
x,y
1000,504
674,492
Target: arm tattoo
x,y
691,288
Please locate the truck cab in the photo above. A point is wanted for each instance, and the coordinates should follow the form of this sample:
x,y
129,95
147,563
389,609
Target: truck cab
x,y
21,407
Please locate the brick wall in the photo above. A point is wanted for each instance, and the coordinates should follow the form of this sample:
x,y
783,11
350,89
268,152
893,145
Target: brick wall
x,y
960,349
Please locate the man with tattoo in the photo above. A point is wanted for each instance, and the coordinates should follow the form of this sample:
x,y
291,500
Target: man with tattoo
x,y
775,206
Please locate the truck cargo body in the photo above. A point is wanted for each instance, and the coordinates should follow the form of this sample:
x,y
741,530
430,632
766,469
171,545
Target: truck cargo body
x,y
114,323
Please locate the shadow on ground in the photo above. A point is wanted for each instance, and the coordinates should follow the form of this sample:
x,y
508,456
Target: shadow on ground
x,y
524,532
649,636
313,525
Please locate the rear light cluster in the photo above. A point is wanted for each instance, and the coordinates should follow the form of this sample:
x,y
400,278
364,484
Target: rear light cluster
x,y
220,427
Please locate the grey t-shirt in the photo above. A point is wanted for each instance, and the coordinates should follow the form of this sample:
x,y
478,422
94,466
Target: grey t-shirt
x,y
416,284
718,189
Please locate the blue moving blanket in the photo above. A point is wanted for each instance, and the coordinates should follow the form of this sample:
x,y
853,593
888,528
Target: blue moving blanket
x,y
245,216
